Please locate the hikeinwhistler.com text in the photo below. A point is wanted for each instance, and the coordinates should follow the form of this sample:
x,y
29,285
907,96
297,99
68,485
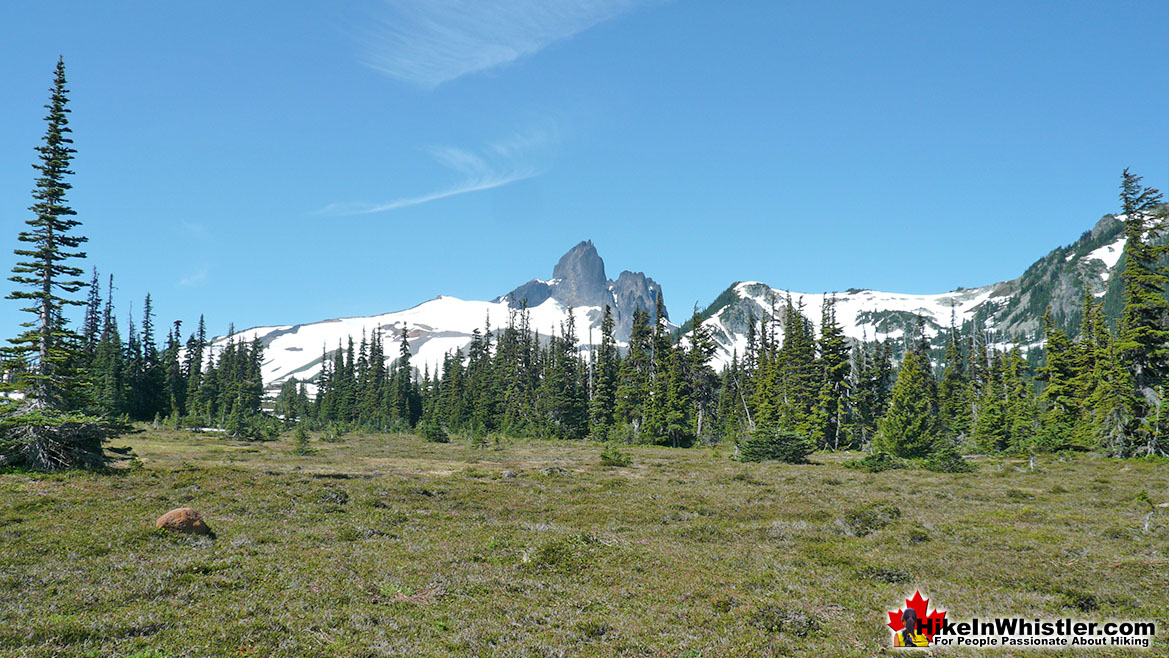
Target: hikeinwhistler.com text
x,y
1019,632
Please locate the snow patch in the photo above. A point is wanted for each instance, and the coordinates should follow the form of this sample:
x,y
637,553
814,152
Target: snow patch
x,y
1109,254
851,309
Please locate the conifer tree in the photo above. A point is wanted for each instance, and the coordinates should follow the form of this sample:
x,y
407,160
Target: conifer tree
x,y
46,430
406,407
1062,389
108,370
731,401
633,375
193,365
799,376
992,431
1143,340
1021,403
874,377
675,420
565,401
910,427
701,380
954,389
830,424
91,326
603,405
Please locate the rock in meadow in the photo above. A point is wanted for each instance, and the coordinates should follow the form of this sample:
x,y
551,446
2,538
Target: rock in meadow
x,y
183,520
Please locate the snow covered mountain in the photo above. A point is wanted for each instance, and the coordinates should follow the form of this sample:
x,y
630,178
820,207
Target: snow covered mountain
x,y
445,324
1010,310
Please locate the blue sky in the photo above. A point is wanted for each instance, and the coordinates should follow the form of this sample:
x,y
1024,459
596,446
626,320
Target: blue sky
x,y
273,163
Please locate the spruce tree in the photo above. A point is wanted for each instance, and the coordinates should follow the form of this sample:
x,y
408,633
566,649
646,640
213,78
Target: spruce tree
x,y
633,375
603,405
910,427
46,429
1143,340
1062,389
830,425
954,389
1022,405
701,380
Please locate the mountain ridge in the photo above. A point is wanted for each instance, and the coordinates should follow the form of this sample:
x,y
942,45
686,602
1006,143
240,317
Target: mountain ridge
x,y
1009,310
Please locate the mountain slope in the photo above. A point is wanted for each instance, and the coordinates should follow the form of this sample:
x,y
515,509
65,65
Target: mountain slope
x,y
444,324
1010,310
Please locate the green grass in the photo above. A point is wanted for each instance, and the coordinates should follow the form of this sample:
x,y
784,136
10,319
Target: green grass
x,y
389,545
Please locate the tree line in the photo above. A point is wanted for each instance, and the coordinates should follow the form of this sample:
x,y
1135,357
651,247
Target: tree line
x,y
1102,389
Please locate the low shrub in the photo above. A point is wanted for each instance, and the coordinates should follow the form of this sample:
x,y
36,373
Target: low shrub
x,y
611,455
431,431
867,519
946,459
875,462
300,445
768,442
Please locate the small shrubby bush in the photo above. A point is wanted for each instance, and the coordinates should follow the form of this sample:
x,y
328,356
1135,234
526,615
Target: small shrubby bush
x,y
611,455
865,520
946,459
875,462
431,431
769,442
300,445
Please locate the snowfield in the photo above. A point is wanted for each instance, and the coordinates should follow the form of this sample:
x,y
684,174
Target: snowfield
x,y
434,329
855,312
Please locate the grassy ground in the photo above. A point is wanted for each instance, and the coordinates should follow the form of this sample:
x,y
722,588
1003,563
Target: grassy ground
x,y
385,545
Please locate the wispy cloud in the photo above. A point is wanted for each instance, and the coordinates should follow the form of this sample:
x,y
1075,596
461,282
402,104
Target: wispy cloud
x,y
429,42
194,278
495,165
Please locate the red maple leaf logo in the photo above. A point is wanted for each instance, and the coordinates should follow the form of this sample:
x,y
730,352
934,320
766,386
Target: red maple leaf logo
x,y
930,622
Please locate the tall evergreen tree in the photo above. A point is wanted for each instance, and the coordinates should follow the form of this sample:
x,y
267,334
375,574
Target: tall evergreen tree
x,y
701,380
832,404
603,405
910,427
1143,340
633,375
45,277
992,425
1062,389
46,430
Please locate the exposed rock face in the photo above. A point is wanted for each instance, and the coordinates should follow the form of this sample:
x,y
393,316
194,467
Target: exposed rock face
x,y
580,277
183,520
533,292
631,291
579,280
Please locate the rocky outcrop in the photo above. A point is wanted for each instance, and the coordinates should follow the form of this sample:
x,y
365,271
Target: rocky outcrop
x,y
579,277
579,280
632,291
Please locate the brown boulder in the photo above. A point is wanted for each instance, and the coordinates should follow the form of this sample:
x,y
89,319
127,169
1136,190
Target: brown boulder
x,y
184,520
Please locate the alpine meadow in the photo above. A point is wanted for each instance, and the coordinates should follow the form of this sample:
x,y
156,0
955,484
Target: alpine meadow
x,y
558,465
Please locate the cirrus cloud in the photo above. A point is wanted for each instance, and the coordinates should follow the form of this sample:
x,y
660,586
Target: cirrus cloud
x,y
496,164
430,42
